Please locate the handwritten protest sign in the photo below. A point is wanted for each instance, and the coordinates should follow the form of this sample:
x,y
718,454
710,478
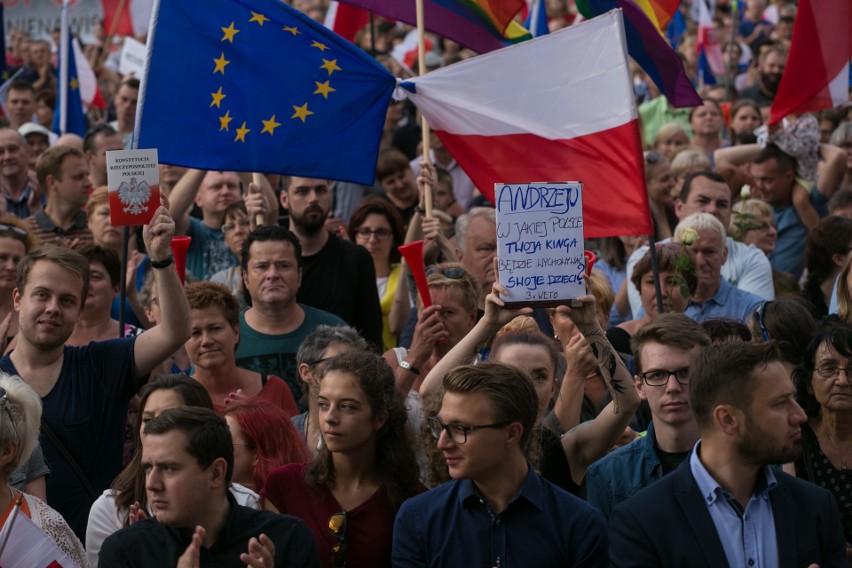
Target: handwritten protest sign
x,y
134,186
540,242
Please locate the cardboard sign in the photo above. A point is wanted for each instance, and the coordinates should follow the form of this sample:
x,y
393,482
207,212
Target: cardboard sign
x,y
131,63
134,186
540,257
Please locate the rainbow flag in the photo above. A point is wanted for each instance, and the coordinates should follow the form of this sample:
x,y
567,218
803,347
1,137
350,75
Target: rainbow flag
x,y
649,48
480,25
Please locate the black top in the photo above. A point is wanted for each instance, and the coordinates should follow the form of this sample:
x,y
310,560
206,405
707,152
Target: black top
x,y
817,468
341,279
148,543
553,463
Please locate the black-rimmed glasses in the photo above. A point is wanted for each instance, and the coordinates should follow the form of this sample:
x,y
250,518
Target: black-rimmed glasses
x,y
660,377
337,528
456,432
380,234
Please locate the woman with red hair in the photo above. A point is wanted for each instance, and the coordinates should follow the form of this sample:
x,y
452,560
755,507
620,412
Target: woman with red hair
x,y
264,438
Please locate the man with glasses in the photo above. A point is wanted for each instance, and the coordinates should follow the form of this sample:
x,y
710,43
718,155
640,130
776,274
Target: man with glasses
x,y
725,505
338,275
188,460
497,510
663,349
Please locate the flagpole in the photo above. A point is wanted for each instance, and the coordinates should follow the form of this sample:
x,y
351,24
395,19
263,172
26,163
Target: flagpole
x,y
732,65
424,125
64,42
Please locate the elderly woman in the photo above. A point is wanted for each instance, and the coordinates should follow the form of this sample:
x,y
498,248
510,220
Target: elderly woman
x,y
20,416
671,138
825,391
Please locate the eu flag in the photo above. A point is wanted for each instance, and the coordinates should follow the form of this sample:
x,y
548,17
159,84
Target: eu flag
x,y
254,85
68,95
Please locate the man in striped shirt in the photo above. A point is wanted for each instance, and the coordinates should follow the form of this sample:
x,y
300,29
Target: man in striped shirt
x,y
63,174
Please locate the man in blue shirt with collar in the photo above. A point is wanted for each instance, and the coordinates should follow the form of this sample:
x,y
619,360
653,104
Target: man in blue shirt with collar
x,y
725,506
496,511
714,297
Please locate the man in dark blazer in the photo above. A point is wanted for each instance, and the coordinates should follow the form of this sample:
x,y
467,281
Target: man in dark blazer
x,y
725,506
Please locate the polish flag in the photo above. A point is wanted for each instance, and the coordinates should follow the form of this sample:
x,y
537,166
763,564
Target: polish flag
x,y
90,94
345,20
127,17
708,43
528,113
817,73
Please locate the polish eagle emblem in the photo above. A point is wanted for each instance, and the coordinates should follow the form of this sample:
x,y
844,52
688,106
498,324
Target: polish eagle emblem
x,y
134,196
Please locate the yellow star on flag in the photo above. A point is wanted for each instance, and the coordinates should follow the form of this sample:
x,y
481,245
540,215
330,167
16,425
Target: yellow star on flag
x,y
217,98
293,30
230,32
323,89
73,83
224,121
318,45
222,62
259,18
328,65
301,112
270,125
241,132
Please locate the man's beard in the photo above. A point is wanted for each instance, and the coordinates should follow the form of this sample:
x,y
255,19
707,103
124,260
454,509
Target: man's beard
x,y
770,82
311,221
755,450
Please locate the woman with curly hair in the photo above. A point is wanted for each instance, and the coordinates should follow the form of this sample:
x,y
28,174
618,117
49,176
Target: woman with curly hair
x,y
350,493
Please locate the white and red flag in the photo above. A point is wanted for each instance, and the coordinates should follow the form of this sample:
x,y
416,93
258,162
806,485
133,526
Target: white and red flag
x,y
529,113
24,545
817,73
345,20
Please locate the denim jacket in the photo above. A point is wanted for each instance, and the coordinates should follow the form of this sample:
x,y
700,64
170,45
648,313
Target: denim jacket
x,y
621,474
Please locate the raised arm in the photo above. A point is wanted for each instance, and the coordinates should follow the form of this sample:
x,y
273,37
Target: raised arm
x,y
589,441
495,317
835,168
735,155
156,344
183,196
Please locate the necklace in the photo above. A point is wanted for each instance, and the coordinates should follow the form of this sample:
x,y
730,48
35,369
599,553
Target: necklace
x,y
841,455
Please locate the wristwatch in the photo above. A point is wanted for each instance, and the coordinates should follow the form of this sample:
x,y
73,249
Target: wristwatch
x,y
165,263
409,367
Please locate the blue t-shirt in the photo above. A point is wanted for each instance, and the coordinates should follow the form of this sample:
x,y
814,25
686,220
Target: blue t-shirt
x,y
87,409
208,253
789,253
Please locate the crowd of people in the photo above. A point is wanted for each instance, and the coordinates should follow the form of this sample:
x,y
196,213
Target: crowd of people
x,y
294,401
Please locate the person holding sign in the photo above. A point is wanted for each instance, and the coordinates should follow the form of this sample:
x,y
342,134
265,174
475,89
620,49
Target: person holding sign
x,y
534,354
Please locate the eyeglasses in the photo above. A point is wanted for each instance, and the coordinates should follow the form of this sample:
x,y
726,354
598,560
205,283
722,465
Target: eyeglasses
x,y
243,223
832,371
765,227
660,377
316,361
456,432
4,400
452,272
337,528
17,231
759,314
380,234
